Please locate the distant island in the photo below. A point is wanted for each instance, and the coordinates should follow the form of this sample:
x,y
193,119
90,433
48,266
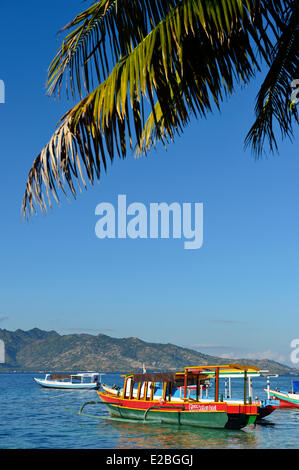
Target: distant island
x,y
49,351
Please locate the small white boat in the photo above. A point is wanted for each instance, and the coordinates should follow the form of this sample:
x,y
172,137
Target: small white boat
x,y
83,381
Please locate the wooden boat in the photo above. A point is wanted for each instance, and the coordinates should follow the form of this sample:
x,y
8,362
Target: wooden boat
x,y
265,406
140,399
83,381
287,399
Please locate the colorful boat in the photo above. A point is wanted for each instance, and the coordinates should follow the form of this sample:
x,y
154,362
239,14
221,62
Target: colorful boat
x,y
265,406
83,381
140,399
287,399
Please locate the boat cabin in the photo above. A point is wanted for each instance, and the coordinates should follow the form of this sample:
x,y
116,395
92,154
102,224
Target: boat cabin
x,y
190,385
74,378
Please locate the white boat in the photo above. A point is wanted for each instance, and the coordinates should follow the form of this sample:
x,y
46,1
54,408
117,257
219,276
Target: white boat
x,y
83,381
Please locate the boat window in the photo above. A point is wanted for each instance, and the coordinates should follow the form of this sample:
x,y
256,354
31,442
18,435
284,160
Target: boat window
x,y
76,378
176,391
135,390
127,388
158,389
145,390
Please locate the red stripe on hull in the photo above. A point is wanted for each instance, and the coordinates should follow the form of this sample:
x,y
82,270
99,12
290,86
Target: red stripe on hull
x,y
211,406
286,404
282,402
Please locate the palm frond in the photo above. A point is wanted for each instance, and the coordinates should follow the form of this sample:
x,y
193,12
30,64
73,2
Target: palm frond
x,y
102,34
190,59
109,29
273,100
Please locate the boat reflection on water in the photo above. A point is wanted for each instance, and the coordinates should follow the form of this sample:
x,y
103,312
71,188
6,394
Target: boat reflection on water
x,y
175,437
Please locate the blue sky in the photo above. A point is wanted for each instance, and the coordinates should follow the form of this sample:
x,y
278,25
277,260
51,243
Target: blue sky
x,y
237,295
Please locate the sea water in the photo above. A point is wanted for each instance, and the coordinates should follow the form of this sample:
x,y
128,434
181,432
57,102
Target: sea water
x,y
36,418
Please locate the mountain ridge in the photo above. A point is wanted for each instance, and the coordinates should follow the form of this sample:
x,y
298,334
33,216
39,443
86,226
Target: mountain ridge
x,y
37,349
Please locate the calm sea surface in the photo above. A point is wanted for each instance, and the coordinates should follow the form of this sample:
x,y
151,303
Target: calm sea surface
x,y
35,418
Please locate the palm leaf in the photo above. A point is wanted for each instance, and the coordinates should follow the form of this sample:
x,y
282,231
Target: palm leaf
x,y
101,35
192,57
273,100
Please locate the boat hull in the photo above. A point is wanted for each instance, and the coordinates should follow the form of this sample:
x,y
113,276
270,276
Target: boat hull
x,y
266,411
286,400
65,386
264,408
208,415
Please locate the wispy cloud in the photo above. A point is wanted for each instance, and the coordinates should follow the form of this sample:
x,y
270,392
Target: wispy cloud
x,y
3,318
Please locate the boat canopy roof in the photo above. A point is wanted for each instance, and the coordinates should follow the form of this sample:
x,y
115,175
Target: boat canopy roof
x,y
154,377
171,377
201,372
70,376
87,374
223,368
236,372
